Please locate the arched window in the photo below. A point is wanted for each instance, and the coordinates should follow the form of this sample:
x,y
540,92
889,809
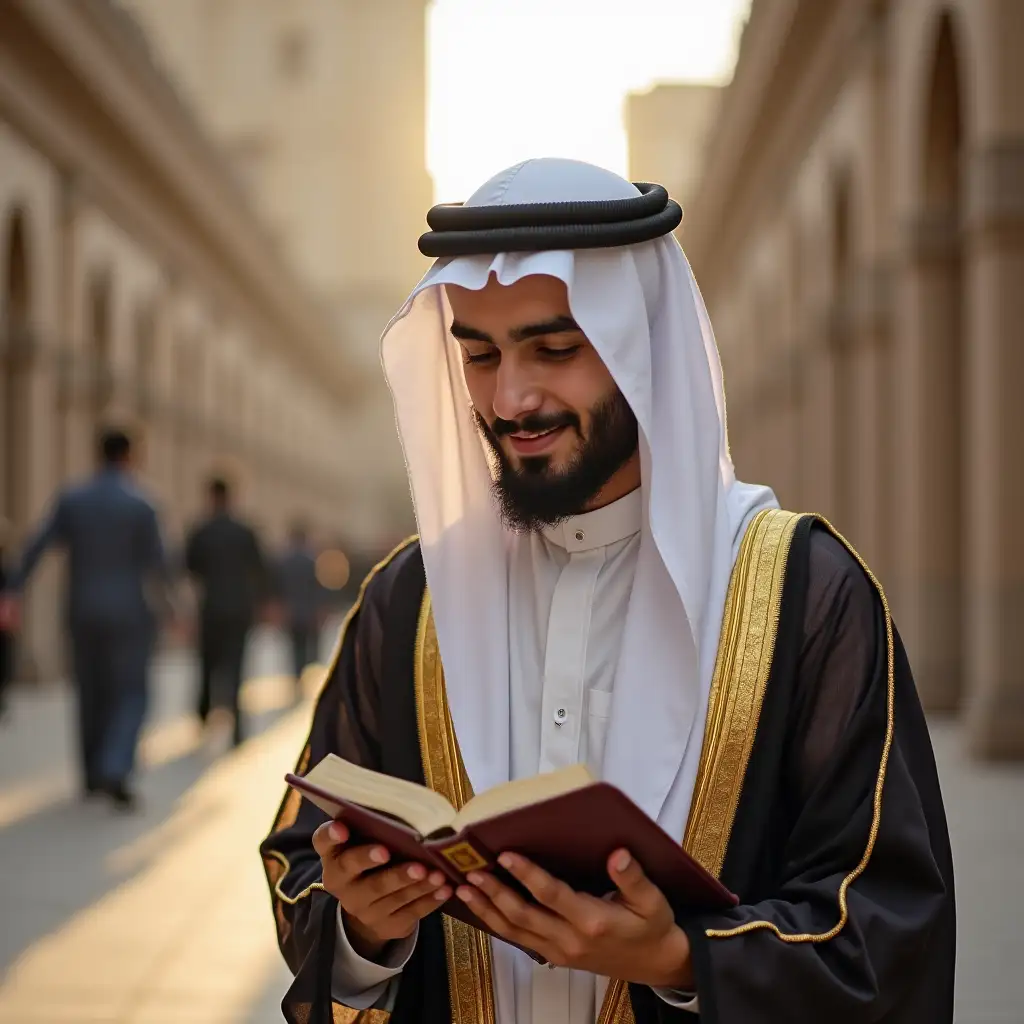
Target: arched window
x,y
15,354
145,360
98,344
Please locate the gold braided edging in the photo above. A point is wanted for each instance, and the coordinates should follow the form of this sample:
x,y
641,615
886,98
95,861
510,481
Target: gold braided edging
x,y
746,647
346,1015
876,817
290,805
467,949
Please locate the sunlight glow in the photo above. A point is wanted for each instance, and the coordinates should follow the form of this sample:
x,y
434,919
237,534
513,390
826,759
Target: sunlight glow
x,y
511,79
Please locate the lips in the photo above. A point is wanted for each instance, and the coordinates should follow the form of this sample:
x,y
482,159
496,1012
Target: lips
x,y
534,443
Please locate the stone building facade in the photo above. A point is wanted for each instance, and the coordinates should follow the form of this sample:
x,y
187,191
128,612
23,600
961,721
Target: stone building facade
x,y
319,107
859,238
667,129
136,285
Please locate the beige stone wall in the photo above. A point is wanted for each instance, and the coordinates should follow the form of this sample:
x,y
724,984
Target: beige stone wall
x,y
320,108
666,128
137,286
859,238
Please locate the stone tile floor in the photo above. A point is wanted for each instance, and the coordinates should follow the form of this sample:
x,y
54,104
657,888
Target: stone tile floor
x,y
163,917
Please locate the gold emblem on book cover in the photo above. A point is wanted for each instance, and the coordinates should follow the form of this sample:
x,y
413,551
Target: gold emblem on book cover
x,y
464,857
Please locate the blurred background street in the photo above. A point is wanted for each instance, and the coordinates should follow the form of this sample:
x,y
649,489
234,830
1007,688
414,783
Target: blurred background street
x,y
208,214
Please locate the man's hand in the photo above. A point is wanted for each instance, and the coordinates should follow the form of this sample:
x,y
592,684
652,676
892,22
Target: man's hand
x,y
380,905
631,936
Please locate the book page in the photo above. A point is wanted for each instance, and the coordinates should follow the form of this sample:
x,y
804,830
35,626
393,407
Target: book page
x,y
521,793
419,807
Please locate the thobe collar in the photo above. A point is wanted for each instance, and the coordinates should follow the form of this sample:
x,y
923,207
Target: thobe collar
x,y
613,522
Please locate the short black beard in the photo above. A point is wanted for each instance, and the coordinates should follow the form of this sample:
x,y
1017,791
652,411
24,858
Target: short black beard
x,y
534,496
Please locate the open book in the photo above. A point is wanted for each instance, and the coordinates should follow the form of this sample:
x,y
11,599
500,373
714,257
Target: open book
x,y
565,821
429,813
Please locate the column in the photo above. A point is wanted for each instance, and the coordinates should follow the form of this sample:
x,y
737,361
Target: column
x,y
868,417
927,526
995,451
818,409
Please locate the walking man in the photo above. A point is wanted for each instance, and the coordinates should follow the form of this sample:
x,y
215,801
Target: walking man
x,y
223,556
111,533
303,599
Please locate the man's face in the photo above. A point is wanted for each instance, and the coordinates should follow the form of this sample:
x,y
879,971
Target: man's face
x,y
563,435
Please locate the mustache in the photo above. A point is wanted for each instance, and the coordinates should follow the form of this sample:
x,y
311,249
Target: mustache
x,y
535,423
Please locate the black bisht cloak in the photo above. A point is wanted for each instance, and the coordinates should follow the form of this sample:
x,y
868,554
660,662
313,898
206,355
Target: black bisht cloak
x,y
838,846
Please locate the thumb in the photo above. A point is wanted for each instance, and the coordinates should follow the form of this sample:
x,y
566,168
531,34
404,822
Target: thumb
x,y
639,893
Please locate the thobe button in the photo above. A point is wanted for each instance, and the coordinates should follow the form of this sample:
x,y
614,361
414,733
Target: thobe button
x,y
559,716
579,535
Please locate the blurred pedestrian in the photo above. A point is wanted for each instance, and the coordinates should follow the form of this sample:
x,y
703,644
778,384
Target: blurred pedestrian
x,y
303,597
111,534
223,556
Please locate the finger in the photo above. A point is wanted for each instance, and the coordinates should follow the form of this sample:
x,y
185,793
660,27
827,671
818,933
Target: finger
x,y
639,893
405,920
489,914
417,900
391,890
329,835
378,885
520,914
354,861
547,890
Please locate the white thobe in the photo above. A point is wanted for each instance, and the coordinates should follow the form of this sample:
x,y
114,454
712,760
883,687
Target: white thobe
x,y
569,589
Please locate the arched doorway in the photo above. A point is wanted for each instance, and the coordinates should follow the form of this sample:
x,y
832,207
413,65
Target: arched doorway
x,y
98,350
942,361
16,350
144,402
841,270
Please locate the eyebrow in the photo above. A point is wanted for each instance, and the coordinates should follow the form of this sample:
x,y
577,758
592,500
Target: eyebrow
x,y
557,325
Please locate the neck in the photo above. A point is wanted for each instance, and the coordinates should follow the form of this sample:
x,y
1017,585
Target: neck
x,y
625,479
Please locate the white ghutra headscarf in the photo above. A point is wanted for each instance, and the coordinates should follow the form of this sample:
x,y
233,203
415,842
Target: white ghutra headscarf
x,y
640,308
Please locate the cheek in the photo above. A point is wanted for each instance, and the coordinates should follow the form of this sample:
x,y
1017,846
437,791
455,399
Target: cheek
x,y
584,385
481,392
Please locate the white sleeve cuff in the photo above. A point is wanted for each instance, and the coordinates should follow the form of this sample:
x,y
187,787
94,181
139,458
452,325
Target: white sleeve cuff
x,y
359,983
678,998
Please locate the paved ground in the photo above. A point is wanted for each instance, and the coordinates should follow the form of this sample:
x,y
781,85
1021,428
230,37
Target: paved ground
x,y
163,918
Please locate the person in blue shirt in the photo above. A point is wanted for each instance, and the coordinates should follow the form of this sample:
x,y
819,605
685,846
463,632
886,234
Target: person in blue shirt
x,y
118,586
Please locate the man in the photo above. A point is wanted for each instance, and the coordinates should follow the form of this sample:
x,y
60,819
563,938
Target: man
x,y
591,583
116,569
303,598
223,556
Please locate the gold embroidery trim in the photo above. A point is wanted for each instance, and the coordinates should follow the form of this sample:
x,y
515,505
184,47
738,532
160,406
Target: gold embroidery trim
x,y
467,950
346,1015
746,646
290,806
876,817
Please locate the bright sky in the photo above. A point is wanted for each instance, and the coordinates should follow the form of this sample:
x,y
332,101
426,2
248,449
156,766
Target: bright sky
x,y
511,79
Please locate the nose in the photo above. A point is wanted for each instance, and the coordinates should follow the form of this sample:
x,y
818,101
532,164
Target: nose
x,y
515,392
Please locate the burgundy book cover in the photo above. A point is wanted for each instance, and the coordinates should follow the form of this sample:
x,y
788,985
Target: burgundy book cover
x,y
571,836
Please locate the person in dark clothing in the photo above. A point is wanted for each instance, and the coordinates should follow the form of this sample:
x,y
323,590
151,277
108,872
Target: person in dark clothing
x,y
303,598
223,555
111,533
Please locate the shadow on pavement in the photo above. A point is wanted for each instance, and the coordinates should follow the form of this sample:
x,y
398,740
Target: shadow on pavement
x,y
41,887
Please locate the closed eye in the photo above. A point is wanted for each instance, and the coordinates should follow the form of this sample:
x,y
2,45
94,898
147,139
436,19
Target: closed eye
x,y
546,352
480,357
